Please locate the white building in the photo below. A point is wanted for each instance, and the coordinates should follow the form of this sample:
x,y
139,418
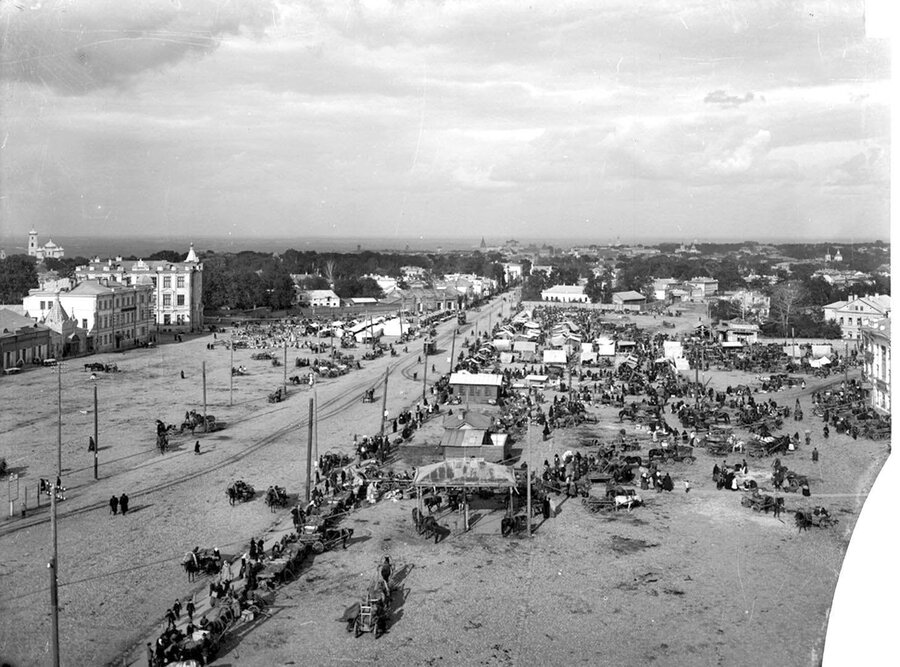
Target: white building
x,y
852,315
322,298
113,317
177,287
49,249
876,346
565,294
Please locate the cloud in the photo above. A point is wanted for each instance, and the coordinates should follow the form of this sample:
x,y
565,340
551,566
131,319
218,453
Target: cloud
x,y
76,47
724,100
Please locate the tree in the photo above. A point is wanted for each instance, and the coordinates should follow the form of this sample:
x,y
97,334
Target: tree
x,y
18,274
168,256
594,288
279,288
785,299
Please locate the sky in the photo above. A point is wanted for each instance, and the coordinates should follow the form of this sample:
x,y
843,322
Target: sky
x,y
637,120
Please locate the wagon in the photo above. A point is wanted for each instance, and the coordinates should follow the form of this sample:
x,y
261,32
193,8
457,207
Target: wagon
x,y
261,356
371,618
277,396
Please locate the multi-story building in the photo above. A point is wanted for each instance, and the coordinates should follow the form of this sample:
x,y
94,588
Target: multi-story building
x,y
113,316
876,346
853,314
702,287
177,287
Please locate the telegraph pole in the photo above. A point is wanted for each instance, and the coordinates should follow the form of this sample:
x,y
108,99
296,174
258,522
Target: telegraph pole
x,y
425,371
96,435
53,565
309,452
205,424
384,401
528,468
59,420
452,351
284,380
231,376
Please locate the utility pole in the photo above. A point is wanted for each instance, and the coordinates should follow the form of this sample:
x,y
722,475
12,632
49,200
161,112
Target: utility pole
x,y
205,424
96,435
384,401
528,468
453,351
309,452
59,420
231,376
845,361
425,372
53,565
284,380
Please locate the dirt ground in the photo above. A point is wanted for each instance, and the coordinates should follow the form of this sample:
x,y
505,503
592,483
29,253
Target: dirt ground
x,y
691,578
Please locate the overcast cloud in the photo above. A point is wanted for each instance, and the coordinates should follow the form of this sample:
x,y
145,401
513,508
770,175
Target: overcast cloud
x,y
599,118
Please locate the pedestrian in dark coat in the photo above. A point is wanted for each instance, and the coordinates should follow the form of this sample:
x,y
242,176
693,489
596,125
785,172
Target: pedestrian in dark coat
x,y
177,608
114,505
123,503
815,455
170,619
197,447
189,609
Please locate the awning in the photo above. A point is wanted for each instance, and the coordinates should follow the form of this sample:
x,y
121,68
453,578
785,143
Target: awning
x,y
732,343
461,473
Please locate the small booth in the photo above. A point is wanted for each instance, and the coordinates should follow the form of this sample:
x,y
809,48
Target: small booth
x,y
465,475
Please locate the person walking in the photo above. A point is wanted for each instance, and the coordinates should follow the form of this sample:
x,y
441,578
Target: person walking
x,y
170,619
197,447
177,608
189,609
123,503
687,486
815,455
114,505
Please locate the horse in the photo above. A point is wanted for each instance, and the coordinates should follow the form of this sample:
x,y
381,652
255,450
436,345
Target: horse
x,y
627,501
803,520
191,565
430,527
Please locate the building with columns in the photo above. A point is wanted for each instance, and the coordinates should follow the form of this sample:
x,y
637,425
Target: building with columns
x,y
177,287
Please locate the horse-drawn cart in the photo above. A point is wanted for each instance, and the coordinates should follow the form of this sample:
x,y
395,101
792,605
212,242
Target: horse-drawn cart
x,y
239,491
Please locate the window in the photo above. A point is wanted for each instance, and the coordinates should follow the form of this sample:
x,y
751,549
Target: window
x,y
42,305
167,281
84,324
167,319
167,299
179,281
179,300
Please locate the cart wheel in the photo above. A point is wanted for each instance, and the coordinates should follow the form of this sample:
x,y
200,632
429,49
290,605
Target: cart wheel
x,y
357,630
755,508
318,547
670,461
689,460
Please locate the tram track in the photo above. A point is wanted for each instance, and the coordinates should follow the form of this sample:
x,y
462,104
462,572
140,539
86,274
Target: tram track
x,y
332,407
337,405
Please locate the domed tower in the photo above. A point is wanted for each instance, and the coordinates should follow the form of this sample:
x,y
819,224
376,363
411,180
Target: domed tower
x,y
32,243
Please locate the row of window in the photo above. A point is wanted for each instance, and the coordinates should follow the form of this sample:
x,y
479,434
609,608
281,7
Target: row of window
x,y
179,319
167,281
167,300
